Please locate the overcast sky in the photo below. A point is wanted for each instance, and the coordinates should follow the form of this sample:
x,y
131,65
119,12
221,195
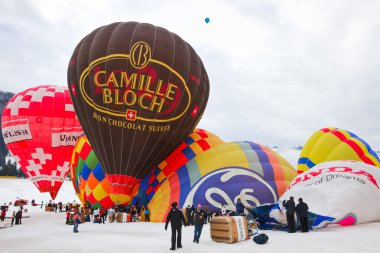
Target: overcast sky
x,y
278,70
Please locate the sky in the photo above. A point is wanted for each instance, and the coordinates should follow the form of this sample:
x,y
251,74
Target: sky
x,y
278,70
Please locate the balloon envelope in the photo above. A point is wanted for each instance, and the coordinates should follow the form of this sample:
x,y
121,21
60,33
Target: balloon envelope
x,y
196,143
40,129
207,20
333,144
338,193
139,91
223,174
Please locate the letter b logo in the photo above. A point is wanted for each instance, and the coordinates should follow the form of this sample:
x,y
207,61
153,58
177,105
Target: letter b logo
x,y
140,54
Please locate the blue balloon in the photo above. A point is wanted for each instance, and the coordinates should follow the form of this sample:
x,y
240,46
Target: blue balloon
x,y
207,20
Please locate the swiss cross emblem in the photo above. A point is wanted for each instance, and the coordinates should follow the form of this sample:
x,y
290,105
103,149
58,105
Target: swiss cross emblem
x,y
39,120
73,89
131,114
195,111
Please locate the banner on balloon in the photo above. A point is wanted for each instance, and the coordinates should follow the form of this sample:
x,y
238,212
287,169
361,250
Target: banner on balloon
x,y
16,130
65,136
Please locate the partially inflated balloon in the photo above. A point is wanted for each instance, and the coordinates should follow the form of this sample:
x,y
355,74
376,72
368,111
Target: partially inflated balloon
x,y
338,193
223,174
40,129
196,143
333,144
139,91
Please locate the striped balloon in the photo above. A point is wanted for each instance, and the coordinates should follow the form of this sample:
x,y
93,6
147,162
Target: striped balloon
x,y
196,143
221,175
334,144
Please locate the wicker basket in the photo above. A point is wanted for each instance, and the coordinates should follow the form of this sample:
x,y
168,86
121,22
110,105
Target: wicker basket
x,y
228,229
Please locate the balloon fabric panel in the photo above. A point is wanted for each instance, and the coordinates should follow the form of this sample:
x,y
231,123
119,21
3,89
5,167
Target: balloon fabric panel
x,y
222,174
332,144
196,143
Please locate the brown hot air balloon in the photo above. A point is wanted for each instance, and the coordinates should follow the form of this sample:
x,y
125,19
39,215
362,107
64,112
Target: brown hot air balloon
x,y
138,90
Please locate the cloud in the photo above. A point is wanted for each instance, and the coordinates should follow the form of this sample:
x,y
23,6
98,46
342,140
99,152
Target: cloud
x,y
278,70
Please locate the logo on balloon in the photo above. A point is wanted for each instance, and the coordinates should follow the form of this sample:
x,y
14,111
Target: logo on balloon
x,y
140,55
118,82
226,185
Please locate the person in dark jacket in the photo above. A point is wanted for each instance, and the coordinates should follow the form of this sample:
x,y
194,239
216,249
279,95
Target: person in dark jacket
x,y
176,218
199,217
239,207
188,215
290,209
301,209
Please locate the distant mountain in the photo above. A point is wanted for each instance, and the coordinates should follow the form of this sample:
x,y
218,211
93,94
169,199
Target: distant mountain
x,y
4,98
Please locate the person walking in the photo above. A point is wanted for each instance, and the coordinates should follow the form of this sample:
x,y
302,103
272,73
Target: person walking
x,y
176,218
301,209
290,209
199,217
76,219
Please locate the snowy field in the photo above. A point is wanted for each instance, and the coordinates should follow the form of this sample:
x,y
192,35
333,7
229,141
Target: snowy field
x,y
47,232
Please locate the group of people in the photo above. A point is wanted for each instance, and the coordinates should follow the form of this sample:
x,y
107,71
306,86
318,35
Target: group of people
x,y
177,219
301,210
16,215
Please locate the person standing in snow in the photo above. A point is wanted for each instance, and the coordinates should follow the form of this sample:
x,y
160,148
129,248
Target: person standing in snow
x,y
176,218
239,207
111,215
301,209
67,217
146,214
76,219
3,212
199,219
13,218
290,209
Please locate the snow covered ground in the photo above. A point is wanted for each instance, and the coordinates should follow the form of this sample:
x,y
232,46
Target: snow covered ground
x,y
47,232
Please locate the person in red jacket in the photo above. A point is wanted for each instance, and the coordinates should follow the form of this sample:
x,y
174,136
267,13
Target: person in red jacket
x,y
67,217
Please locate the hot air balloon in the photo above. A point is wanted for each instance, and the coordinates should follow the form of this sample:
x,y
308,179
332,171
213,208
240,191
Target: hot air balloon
x,y
40,129
221,175
338,193
139,91
197,142
88,178
333,144
207,20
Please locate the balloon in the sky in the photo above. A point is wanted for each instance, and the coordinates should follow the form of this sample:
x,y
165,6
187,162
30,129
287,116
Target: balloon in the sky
x,y
338,193
90,182
139,91
207,20
197,142
221,175
333,144
40,129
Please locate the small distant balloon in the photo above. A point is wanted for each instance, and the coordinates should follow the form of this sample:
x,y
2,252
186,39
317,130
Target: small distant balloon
x,y
207,20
